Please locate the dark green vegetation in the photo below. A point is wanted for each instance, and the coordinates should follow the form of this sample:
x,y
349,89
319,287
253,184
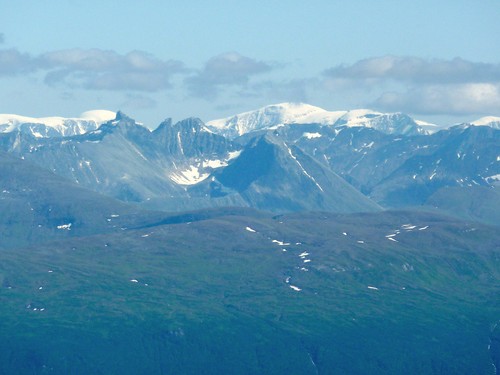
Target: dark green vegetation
x,y
214,297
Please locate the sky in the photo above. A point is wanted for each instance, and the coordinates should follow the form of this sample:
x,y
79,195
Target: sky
x,y
438,61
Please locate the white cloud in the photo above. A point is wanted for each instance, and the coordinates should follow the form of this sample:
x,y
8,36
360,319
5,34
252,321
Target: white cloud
x,y
456,99
416,70
420,86
13,62
97,69
225,70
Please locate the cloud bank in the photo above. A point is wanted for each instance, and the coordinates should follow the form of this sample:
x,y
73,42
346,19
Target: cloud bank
x,y
389,83
417,70
456,99
420,86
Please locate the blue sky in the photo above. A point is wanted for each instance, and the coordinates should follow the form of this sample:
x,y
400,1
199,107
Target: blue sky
x,y
437,61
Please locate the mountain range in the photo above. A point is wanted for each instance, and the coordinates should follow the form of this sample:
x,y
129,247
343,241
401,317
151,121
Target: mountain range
x,y
282,158
290,113
288,240
55,126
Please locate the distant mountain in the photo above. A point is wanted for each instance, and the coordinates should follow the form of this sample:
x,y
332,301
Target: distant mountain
x,y
398,171
185,166
55,126
127,161
272,116
491,121
36,205
271,175
282,167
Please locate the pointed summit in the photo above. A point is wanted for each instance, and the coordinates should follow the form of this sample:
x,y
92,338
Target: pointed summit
x,y
121,116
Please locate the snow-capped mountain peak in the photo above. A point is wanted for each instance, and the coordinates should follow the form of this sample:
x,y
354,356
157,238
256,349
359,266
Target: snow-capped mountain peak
x,y
300,113
491,121
55,126
272,115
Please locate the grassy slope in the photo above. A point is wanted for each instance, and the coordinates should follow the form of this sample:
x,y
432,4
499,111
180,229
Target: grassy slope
x,y
217,300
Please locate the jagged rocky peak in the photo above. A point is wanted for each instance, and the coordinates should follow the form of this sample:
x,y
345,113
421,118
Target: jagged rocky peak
x,y
167,123
122,117
193,124
188,125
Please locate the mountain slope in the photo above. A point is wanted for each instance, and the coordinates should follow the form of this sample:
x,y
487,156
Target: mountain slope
x,y
477,203
37,205
271,175
399,171
458,158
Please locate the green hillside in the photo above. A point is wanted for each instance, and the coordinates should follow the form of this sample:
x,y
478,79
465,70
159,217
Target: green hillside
x,y
216,293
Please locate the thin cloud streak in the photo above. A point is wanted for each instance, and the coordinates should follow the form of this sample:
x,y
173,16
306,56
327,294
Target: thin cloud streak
x,y
416,70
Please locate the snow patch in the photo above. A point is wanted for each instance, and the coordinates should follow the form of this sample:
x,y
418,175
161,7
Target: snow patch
x,y
492,179
311,135
190,176
214,163
65,226
303,170
281,243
